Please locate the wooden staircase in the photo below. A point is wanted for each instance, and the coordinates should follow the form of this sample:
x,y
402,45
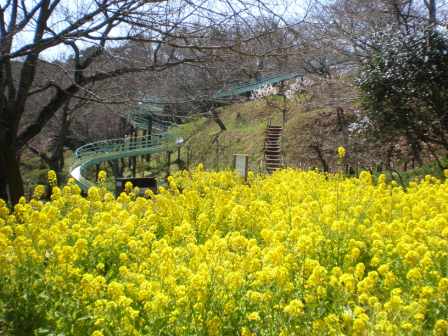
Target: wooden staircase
x,y
272,148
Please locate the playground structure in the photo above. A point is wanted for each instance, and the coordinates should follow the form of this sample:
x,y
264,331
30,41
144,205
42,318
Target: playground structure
x,y
114,149
156,137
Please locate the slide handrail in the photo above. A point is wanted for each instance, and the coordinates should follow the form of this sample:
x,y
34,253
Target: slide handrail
x,y
113,149
118,144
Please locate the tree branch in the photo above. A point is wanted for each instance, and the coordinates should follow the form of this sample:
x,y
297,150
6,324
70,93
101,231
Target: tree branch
x,y
48,111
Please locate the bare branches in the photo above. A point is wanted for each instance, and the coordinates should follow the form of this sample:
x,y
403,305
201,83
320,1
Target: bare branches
x,y
350,25
41,89
62,95
94,35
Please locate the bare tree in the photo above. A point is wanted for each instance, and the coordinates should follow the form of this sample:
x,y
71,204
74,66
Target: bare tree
x,y
173,32
348,25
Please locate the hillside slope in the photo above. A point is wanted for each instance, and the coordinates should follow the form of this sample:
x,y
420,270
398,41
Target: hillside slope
x,y
310,134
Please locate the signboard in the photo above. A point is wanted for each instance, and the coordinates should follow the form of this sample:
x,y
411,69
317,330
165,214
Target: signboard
x,y
143,183
240,164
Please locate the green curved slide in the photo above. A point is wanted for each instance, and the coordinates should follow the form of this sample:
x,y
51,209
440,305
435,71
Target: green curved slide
x,y
152,113
112,149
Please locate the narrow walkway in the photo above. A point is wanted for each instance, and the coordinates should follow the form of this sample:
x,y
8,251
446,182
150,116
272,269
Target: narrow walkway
x,y
272,148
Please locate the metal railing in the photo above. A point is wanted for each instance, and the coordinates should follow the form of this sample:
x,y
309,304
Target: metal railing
x,y
110,149
119,145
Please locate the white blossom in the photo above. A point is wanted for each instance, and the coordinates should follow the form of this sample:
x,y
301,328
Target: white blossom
x,y
290,91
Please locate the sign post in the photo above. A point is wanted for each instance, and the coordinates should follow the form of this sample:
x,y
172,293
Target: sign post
x,y
241,164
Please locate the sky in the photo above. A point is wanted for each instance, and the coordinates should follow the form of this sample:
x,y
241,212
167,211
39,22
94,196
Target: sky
x,y
70,10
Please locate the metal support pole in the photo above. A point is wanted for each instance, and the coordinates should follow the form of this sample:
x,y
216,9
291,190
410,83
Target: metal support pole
x,y
134,166
168,164
149,132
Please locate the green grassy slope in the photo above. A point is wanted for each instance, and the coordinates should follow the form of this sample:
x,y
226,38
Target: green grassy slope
x,y
311,123
245,126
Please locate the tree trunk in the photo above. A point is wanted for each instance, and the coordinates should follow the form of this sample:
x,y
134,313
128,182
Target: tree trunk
x,y
416,149
284,109
57,161
115,166
97,171
435,156
216,118
389,154
432,12
321,158
11,183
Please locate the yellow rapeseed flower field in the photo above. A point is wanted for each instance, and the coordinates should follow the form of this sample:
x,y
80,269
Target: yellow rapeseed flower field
x,y
295,253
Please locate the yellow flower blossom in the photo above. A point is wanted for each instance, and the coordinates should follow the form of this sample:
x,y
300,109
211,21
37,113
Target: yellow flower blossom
x,y
294,308
254,316
297,252
440,328
97,333
52,178
341,152
102,175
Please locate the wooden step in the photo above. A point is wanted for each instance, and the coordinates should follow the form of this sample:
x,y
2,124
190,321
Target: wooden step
x,y
269,152
272,148
273,161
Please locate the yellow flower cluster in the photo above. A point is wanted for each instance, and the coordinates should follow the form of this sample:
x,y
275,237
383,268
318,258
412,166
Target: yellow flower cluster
x,y
52,178
341,152
295,253
102,176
